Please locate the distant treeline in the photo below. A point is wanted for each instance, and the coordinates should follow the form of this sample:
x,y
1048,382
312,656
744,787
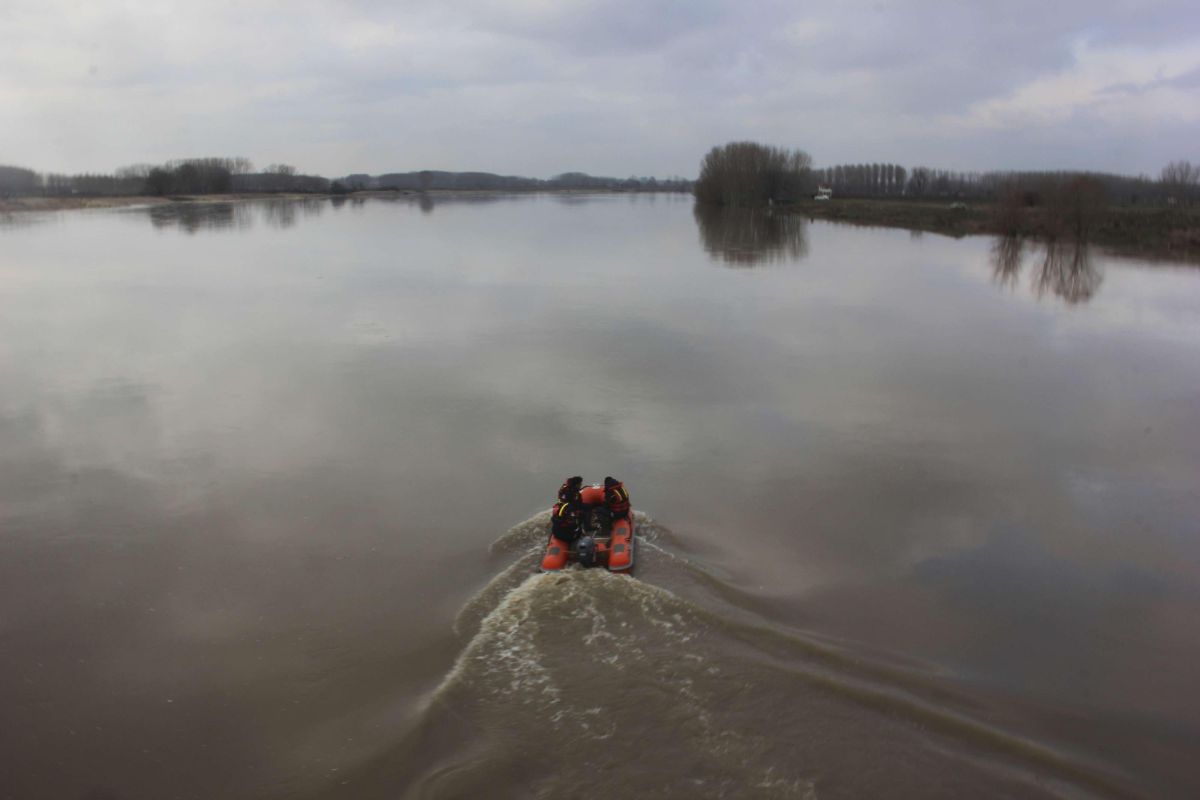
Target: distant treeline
x,y
1177,182
740,173
195,176
434,180
189,176
748,174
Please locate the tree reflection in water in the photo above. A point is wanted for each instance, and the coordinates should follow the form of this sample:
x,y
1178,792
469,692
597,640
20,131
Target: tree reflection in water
x,y
282,213
191,217
1067,270
747,237
1006,260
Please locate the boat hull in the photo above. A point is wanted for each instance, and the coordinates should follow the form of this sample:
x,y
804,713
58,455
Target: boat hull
x,y
614,540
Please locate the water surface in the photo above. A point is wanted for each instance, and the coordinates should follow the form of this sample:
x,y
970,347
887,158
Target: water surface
x,y
918,514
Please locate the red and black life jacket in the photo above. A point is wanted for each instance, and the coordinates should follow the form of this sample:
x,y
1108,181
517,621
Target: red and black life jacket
x,y
564,521
569,491
617,499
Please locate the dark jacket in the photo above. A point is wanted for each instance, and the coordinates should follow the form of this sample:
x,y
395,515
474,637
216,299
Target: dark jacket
x,y
616,498
569,491
564,521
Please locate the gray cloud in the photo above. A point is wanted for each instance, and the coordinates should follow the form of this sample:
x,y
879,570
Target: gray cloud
x,y
618,87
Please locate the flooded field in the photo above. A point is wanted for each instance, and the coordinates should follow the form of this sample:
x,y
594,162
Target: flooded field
x,y
918,515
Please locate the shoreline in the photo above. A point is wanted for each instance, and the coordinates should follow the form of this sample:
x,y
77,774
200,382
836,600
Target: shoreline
x,y
1166,234
1156,234
34,204
21,205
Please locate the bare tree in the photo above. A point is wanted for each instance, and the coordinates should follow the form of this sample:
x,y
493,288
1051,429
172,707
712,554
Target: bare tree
x,y
139,171
752,174
17,181
159,181
919,183
1180,179
1009,215
1075,206
1182,174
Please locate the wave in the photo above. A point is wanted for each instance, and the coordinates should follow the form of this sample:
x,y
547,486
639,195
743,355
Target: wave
x,y
586,683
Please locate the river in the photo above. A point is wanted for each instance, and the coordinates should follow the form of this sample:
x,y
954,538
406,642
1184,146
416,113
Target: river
x,y
917,516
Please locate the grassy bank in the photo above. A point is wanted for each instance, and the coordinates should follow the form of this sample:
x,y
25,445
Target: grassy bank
x,y
1155,233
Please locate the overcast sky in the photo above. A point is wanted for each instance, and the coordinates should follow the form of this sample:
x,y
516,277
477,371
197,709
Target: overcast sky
x,y
538,87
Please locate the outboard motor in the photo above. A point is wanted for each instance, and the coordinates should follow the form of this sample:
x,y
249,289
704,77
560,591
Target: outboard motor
x,y
585,551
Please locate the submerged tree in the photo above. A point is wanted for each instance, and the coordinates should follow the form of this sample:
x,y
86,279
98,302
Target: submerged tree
x,y
751,174
1074,206
1010,212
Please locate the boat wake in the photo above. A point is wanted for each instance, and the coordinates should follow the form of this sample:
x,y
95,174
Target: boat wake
x,y
586,683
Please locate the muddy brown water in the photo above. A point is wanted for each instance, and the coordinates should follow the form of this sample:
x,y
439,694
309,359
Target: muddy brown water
x,y
918,516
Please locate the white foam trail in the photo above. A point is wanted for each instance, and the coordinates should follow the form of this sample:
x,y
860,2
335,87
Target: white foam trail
x,y
491,595
505,642
536,633
527,533
535,629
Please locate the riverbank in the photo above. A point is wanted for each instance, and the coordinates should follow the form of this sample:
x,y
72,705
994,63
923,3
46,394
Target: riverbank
x,y
1156,233
12,205
36,204
22,204
1169,234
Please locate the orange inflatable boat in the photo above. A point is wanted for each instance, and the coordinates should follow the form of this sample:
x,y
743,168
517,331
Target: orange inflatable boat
x,y
603,540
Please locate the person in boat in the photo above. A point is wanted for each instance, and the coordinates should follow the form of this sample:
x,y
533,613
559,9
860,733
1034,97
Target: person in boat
x,y
616,498
564,521
569,491
565,515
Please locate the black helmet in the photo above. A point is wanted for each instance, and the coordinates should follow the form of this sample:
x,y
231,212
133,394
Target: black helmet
x,y
610,482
